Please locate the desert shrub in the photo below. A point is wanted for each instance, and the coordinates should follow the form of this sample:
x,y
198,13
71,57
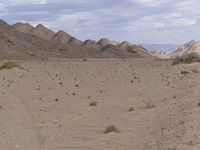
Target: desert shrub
x,y
93,104
195,71
9,65
184,72
186,58
149,103
131,109
84,59
111,129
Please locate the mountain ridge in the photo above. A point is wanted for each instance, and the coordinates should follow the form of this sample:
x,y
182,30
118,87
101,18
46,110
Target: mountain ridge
x,y
25,40
190,47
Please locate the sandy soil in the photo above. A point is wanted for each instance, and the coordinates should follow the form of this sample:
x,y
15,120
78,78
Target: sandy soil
x,y
46,105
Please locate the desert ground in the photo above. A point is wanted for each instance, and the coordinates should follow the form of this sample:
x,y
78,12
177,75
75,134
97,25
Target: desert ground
x,y
68,105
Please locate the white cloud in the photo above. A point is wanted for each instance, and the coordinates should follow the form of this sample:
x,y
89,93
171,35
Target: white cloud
x,y
185,22
150,3
3,10
23,2
159,25
116,18
43,2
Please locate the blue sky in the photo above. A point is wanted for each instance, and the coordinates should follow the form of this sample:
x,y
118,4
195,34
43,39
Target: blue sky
x,y
138,21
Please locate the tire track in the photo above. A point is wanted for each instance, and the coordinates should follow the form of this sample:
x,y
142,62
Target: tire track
x,y
28,128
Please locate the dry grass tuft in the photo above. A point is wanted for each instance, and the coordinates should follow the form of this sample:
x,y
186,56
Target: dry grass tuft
x,y
186,59
56,100
111,129
93,104
9,65
149,103
184,72
195,71
76,85
131,109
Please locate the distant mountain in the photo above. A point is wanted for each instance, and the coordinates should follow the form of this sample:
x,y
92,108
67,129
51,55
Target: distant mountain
x,y
15,44
3,24
190,47
40,30
23,40
167,48
23,27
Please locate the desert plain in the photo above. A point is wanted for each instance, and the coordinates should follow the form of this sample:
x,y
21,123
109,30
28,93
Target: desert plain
x,y
64,104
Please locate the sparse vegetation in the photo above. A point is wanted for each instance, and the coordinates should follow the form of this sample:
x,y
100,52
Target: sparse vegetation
x,y
93,104
184,72
186,58
111,129
195,71
9,65
149,103
56,100
76,85
131,109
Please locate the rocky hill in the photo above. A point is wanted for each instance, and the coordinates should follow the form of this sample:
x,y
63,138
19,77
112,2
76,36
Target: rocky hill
x,y
23,40
190,47
167,48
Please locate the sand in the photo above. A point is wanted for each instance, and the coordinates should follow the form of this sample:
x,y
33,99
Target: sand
x,y
48,105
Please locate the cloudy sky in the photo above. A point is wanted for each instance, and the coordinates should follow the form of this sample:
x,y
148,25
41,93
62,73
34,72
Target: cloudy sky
x,y
138,21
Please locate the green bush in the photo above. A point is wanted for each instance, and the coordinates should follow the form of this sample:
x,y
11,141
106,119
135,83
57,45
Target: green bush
x,y
186,58
9,65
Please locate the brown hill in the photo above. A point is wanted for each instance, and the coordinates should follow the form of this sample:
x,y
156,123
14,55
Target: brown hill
x,y
22,40
190,47
42,32
66,45
3,24
61,37
19,45
23,27
104,42
39,31
126,50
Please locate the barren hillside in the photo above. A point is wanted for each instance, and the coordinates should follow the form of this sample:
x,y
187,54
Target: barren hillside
x,y
23,40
